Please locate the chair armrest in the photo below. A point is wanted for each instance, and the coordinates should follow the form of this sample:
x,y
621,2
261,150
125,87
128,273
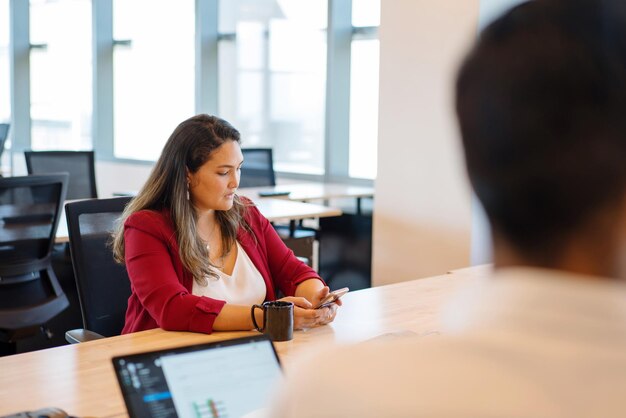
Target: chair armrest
x,y
74,336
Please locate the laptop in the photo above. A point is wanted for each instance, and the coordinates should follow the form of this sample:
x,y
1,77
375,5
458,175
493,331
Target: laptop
x,y
232,378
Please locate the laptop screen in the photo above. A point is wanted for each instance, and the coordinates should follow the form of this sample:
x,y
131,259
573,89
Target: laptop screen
x,y
230,378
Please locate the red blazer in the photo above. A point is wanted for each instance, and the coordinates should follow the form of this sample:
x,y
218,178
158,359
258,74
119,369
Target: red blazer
x,y
161,286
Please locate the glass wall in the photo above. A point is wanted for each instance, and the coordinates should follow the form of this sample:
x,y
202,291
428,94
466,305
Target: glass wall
x,y
268,63
5,80
153,73
364,66
272,77
5,83
61,88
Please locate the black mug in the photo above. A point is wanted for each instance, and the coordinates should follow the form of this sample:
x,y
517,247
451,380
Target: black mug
x,y
277,320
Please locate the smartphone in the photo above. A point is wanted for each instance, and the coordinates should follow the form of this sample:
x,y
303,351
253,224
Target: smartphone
x,y
332,297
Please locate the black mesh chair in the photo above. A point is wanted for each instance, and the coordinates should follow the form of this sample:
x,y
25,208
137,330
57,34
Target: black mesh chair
x,y
103,285
79,164
258,168
30,294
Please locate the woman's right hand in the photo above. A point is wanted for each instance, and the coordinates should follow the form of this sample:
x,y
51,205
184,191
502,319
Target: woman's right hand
x,y
304,316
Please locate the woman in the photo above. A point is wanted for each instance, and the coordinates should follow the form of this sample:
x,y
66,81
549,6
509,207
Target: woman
x,y
197,255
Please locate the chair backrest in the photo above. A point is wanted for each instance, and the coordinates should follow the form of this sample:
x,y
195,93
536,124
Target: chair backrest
x,y
103,285
258,168
4,133
79,164
30,208
30,294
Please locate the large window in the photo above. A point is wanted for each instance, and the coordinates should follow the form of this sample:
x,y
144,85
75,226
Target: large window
x,y
61,90
5,90
153,73
364,89
298,76
272,77
5,83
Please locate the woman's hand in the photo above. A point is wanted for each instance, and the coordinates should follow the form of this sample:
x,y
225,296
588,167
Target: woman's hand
x,y
304,316
330,312
319,295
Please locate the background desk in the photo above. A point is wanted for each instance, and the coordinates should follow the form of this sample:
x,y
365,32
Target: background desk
x,y
272,209
312,191
345,254
80,378
307,191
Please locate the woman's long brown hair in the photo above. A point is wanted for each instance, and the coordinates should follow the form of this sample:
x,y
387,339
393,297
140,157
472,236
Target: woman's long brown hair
x,y
187,149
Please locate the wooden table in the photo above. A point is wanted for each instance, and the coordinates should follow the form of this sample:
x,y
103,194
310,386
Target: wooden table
x,y
80,378
285,210
312,191
479,271
301,192
273,209
309,191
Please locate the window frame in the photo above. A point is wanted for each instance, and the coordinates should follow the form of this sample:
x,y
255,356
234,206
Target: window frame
x,y
340,34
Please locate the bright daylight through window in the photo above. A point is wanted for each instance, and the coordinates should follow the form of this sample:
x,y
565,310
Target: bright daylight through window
x,y
60,62
364,91
153,73
5,98
263,65
272,76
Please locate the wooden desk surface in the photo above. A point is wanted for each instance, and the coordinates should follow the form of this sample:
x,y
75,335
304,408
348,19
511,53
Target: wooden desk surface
x,y
302,192
80,378
285,210
272,209
311,191
482,270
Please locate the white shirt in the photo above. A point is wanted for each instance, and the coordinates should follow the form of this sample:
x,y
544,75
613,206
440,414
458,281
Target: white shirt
x,y
525,343
245,286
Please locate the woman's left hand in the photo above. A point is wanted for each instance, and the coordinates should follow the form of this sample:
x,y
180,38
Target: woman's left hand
x,y
330,311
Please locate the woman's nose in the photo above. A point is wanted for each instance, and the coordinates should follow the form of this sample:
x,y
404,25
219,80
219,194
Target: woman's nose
x,y
234,181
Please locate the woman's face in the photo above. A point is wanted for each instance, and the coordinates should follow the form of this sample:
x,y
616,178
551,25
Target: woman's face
x,y
213,186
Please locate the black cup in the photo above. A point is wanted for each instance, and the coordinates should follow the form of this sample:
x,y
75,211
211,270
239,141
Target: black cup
x,y
277,320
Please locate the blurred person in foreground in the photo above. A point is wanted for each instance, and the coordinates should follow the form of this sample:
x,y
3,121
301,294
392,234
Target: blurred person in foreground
x,y
541,103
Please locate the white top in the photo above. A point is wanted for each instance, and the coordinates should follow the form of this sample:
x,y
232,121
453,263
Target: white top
x,y
244,287
524,343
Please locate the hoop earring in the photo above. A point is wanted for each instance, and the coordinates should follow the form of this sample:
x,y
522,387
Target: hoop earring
x,y
187,190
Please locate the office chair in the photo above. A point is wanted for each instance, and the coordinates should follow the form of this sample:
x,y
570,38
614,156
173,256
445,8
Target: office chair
x,y
30,294
79,164
103,285
258,168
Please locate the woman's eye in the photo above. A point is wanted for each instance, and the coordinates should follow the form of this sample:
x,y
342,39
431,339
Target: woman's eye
x,y
223,174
